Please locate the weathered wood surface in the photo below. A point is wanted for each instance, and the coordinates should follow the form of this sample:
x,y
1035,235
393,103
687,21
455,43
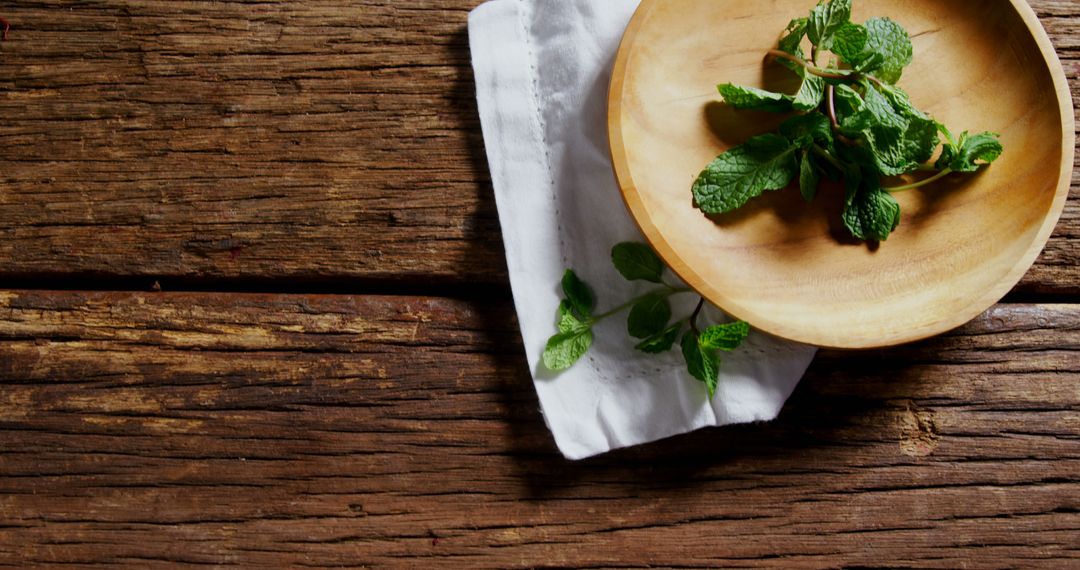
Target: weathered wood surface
x,y
295,430
251,140
329,145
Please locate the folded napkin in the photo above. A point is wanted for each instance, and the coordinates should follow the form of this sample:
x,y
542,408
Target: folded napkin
x,y
542,69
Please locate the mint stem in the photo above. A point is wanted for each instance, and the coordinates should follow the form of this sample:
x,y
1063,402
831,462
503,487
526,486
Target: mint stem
x,y
830,99
809,66
826,73
920,183
694,316
827,156
667,292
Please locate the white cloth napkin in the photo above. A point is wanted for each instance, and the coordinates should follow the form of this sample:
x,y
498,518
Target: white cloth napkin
x,y
542,69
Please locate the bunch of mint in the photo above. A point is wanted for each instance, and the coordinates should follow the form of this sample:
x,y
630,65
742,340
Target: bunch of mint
x,y
649,319
851,123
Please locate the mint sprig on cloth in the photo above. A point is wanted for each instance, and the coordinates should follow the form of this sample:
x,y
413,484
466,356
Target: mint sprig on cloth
x,y
649,319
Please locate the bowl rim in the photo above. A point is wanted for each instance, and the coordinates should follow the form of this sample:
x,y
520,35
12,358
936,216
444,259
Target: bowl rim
x,y
632,200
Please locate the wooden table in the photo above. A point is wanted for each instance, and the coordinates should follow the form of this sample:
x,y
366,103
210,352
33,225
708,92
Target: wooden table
x,y
254,312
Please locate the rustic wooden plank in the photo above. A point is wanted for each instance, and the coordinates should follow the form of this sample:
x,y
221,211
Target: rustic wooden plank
x,y
147,430
303,140
238,139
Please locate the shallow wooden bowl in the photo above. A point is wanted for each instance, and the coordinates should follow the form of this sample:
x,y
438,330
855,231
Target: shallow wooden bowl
x,y
786,267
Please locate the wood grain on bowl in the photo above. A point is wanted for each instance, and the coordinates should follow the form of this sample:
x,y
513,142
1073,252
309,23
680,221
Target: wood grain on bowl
x,y
786,267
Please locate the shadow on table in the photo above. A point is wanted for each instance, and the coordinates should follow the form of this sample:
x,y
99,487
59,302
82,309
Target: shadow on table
x,y
841,400
483,232
847,403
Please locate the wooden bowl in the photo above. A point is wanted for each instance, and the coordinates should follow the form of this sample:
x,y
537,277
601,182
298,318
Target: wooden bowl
x,y
786,267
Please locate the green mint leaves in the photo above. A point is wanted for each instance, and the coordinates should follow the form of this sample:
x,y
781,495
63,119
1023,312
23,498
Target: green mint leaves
x,y
565,349
970,152
649,316
701,350
661,342
637,262
881,47
850,121
765,162
810,94
754,98
809,177
890,41
578,295
825,19
649,319
575,323
724,337
702,364
791,42
870,213
809,97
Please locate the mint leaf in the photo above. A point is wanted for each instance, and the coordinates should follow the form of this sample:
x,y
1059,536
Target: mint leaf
x,y
847,101
637,262
885,132
809,177
868,109
948,150
901,102
804,130
793,36
971,152
661,341
920,140
753,98
810,95
850,43
870,213
567,321
702,364
565,349
870,62
575,329
725,337
825,19
892,42
898,144
791,42
578,294
946,133
765,162
649,316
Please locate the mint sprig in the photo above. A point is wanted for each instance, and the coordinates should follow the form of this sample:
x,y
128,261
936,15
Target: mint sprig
x,y
850,120
649,319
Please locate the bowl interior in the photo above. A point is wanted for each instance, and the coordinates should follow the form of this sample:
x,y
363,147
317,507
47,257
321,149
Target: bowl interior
x,y
785,266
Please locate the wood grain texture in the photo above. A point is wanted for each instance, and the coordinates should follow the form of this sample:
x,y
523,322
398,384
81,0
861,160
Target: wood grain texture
x,y
148,430
336,142
311,140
